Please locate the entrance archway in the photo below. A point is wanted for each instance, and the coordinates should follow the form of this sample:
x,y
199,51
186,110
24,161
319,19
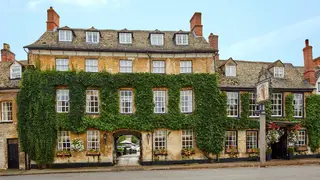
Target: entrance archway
x,y
127,152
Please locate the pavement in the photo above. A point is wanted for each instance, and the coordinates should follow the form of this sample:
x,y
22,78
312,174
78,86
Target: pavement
x,y
305,172
128,160
163,167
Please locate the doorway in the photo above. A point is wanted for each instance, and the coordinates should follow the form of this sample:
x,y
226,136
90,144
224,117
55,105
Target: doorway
x,y
127,148
13,154
279,149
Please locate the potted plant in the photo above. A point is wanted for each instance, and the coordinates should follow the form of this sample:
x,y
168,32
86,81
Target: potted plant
x,y
63,153
187,151
160,151
253,150
77,145
232,151
269,154
290,152
93,152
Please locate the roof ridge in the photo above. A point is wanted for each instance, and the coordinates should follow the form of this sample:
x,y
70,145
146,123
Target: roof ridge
x,y
134,30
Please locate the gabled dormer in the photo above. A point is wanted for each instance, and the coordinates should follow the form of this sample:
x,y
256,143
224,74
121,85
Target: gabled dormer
x,y
181,38
125,36
93,35
277,68
156,38
66,34
229,68
15,70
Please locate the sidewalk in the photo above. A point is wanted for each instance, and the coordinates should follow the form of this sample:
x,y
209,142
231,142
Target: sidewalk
x,y
167,167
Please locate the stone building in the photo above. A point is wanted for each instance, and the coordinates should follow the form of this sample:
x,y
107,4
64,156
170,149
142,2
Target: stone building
x,y
10,74
124,51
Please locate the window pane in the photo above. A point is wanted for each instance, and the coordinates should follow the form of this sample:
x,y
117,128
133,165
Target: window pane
x,y
160,139
186,101
6,111
230,139
64,143
62,100
232,104
93,140
252,139
158,67
92,101
276,104
298,105
185,67
125,101
62,64
125,66
159,98
187,138
91,65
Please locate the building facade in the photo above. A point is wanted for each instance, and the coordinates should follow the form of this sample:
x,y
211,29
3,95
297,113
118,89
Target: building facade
x,y
10,74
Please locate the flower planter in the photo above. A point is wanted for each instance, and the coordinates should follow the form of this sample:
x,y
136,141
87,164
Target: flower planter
x,y
252,151
93,154
160,154
290,155
268,156
230,151
188,152
301,148
63,154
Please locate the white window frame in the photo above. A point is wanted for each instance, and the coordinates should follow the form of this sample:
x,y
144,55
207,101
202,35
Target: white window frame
x,y
125,38
15,71
159,66
182,39
92,65
64,141
156,39
298,105
186,101
231,71
160,101
276,107
6,111
231,139
160,139
185,67
63,98
62,64
65,35
187,139
278,72
302,138
92,37
251,139
232,104
93,140
92,101
253,106
126,101
125,66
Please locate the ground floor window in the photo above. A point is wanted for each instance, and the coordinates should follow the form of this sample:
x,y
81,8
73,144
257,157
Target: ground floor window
x,y
160,139
93,140
302,138
64,142
6,112
231,139
187,139
252,139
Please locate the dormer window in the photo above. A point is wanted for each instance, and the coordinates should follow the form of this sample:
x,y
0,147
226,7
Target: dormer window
x,y
182,39
278,72
156,39
125,38
65,35
231,71
92,37
15,71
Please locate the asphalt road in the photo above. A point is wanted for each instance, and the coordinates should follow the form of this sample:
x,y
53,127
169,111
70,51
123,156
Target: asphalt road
x,y
270,173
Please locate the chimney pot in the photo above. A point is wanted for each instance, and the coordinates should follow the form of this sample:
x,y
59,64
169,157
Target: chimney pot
x,y
53,19
6,54
309,65
307,42
214,43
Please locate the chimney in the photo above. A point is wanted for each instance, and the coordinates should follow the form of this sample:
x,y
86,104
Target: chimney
x,y
195,24
6,54
53,19
213,41
309,73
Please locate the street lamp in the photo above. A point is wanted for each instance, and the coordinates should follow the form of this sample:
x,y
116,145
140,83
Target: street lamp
x,y
105,138
148,137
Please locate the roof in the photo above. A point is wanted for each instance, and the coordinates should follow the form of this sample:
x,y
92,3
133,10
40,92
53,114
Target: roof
x,y
5,81
109,42
248,74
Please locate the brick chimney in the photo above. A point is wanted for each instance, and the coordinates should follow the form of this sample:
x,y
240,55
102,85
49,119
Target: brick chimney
x,y
6,54
53,19
213,41
309,73
195,24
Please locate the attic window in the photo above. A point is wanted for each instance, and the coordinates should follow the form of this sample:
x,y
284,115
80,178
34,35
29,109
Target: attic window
x,y
15,71
278,72
182,39
65,35
156,39
231,71
92,37
125,38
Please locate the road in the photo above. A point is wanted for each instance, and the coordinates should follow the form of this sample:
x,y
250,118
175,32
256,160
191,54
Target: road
x,y
270,173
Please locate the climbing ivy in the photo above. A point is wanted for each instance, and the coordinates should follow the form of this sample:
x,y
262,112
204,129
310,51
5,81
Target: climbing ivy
x,y
289,107
312,121
245,105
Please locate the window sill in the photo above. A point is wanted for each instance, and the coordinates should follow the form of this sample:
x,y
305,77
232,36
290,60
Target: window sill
x,y
87,113
15,78
6,122
299,117
63,112
126,113
186,112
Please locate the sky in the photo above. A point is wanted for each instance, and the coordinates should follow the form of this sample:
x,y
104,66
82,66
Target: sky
x,y
256,30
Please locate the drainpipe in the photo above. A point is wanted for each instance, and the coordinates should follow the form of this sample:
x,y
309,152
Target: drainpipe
x,y
149,61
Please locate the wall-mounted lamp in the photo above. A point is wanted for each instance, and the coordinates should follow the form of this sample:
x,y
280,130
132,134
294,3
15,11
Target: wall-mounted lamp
x,y
105,138
148,137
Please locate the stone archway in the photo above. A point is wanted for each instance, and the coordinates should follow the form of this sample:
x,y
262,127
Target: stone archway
x,y
129,156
